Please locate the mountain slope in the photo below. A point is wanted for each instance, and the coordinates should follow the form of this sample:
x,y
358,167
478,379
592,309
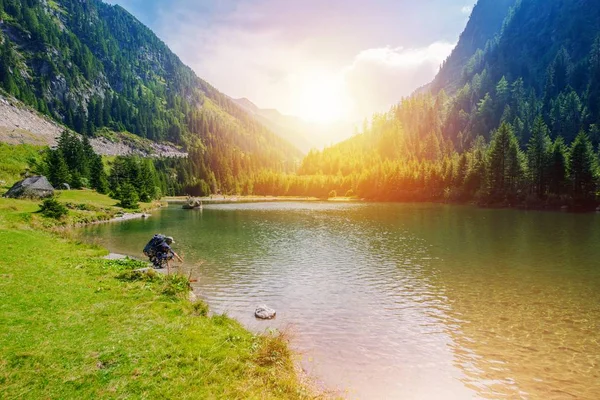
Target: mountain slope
x,y
288,128
516,122
484,24
20,124
541,62
533,35
90,65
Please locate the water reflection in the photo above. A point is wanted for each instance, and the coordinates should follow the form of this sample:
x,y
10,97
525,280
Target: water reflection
x,y
404,301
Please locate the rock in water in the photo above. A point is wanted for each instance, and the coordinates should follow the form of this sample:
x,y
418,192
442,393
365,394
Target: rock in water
x,y
34,187
264,312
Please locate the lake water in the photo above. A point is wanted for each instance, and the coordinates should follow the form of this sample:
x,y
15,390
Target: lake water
x,y
403,301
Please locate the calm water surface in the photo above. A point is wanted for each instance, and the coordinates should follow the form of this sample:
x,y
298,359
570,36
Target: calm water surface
x,y
390,301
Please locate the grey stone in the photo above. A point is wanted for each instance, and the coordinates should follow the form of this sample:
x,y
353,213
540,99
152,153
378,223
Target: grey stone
x,y
34,187
264,312
193,204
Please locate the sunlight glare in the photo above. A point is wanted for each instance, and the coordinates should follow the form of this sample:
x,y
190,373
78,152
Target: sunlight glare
x,y
321,98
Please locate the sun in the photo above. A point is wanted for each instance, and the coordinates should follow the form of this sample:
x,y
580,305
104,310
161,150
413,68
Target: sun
x,y
321,98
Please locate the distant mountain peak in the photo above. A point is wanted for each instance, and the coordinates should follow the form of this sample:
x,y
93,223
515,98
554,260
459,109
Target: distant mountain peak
x,y
247,104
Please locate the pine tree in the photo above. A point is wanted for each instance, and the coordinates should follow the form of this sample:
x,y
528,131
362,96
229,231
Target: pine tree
x,y
71,148
485,115
128,196
558,167
593,89
583,168
505,168
58,171
562,70
476,177
88,157
538,157
98,178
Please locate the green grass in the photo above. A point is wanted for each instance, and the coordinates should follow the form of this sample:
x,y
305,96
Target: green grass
x,y
15,160
86,197
95,199
85,206
75,326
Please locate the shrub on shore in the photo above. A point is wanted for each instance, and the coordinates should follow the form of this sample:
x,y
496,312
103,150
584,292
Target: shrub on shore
x,y
52,208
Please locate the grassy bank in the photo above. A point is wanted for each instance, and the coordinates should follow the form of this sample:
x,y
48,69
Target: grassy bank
x,y
85,206
77,326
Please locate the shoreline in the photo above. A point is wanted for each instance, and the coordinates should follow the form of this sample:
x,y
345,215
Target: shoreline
x,y
129,216
315,386
107,297
181,200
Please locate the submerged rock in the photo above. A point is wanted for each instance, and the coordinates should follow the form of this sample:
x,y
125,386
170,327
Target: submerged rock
x,y
34,187
264,312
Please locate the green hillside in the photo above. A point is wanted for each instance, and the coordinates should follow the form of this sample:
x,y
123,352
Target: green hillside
x,y
516,122
90,65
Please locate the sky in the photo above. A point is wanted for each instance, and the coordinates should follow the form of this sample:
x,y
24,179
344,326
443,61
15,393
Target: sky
x,y
321,60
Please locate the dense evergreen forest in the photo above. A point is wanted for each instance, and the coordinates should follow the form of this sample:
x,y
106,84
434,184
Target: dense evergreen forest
x,y
517,125
513,117
93,67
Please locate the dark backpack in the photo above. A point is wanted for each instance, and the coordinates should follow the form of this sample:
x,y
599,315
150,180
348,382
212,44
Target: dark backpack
x,y
154,244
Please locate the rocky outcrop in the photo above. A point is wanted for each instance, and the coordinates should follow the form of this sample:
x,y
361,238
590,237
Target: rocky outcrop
x,y
21,125
34,187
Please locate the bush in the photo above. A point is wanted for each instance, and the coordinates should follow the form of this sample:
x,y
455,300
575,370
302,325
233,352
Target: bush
x,y
52,208
350,193
333,193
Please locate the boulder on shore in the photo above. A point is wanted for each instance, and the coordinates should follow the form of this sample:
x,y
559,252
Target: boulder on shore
x,y
264,312
34,187
192,204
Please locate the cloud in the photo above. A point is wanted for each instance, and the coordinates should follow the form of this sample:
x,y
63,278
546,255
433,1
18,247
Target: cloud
x,y
467,10
266,50
380,77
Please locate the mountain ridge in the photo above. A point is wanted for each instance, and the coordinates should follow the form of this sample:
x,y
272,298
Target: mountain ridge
x,y
516,123
283,125
90,65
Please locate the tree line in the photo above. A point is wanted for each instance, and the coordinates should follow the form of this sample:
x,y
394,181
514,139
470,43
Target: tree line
x,y
492,143
74,164
93,67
